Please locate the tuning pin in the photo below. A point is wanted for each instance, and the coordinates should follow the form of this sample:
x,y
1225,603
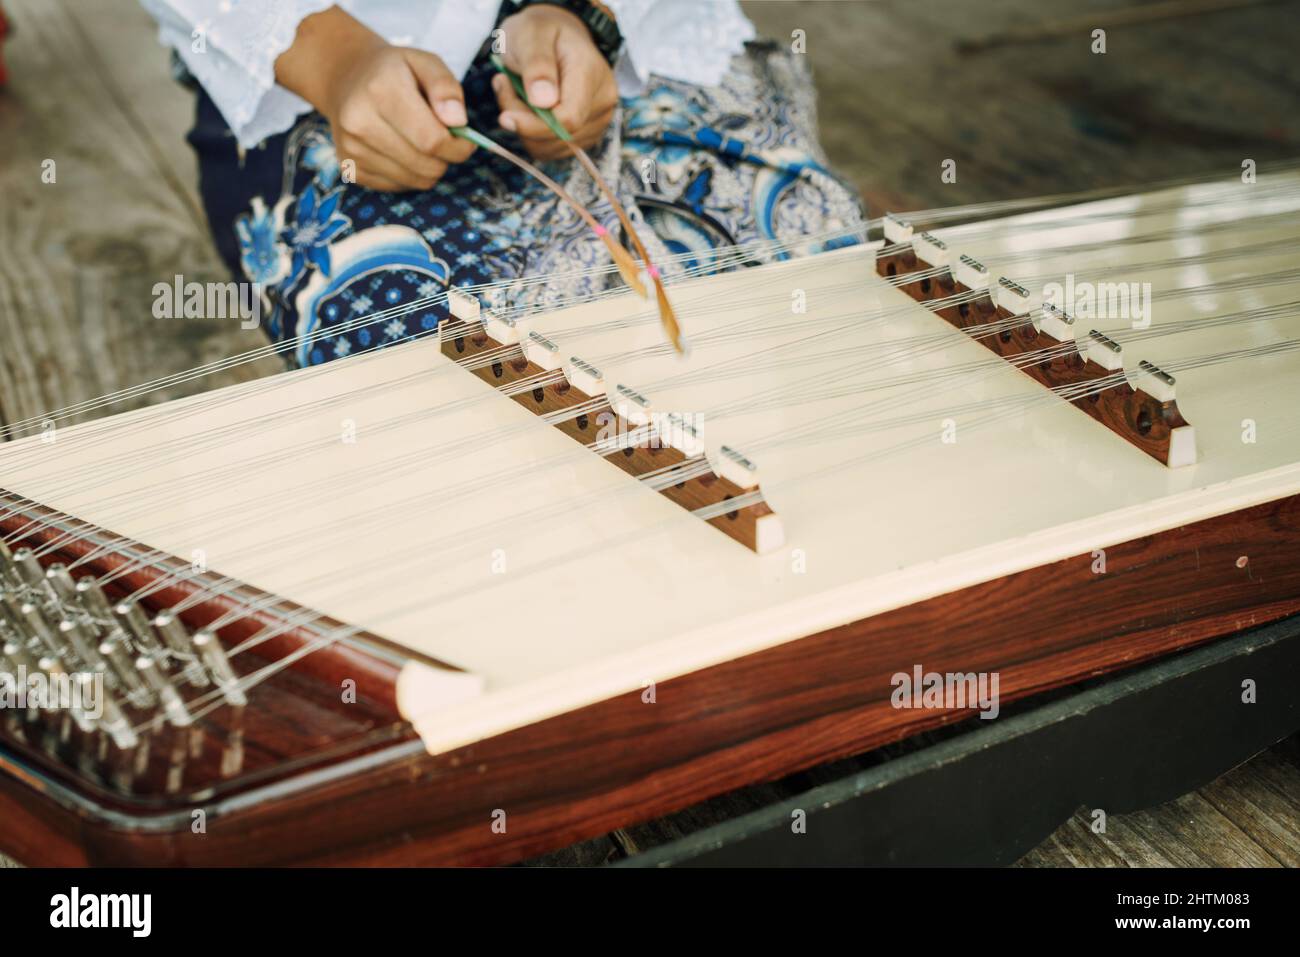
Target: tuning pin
x,y
59,581
9,616
214,656
112,720
176,638
33,619
59,677
172,705
232,751
8,671
24,666
177,755
29,569
8,573
132,618
93,600
87,651
143,754
21,658
114,650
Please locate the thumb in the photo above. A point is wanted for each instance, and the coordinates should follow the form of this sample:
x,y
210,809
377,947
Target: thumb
x,y
531,54
440,87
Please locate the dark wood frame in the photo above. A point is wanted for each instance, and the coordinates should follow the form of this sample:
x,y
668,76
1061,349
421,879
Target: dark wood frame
x,y
743,721
988,793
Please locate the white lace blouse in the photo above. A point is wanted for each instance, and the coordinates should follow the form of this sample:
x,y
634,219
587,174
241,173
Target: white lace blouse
x,y
231,45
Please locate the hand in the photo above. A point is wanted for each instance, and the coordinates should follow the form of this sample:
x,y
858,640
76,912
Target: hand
x,y
388,107
562,71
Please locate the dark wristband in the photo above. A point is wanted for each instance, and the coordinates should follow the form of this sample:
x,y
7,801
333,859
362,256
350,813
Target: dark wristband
x,y
597,19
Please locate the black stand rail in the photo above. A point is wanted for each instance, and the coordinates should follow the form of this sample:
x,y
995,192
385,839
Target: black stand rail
x,y
988,796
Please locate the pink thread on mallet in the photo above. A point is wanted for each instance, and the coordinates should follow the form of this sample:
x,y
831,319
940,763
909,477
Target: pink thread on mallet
x,y
652,271
600,230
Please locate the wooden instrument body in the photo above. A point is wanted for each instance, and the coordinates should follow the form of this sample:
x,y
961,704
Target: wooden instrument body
x,y
977,555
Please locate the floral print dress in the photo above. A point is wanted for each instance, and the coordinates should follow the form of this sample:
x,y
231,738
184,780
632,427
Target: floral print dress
x,y
698,168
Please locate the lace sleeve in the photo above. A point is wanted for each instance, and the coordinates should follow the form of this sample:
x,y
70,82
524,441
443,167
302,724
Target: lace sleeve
x,y
679,39
230,46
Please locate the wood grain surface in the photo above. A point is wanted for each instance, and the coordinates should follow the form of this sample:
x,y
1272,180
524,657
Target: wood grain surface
x,y
89,91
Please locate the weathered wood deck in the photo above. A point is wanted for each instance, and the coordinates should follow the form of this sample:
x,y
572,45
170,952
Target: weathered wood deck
x,y
1039,113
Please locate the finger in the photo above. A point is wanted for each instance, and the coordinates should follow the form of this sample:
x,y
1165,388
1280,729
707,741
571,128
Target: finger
x,y
371,142
395,158
515,113
408,113
416,139
531,54
579,81
440,86
593,129
394,144
375,163
586,137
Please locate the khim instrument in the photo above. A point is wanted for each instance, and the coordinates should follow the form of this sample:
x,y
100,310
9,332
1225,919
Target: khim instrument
x,y
536,564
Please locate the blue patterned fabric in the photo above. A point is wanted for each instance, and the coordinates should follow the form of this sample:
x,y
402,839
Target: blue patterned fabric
x,y
698,168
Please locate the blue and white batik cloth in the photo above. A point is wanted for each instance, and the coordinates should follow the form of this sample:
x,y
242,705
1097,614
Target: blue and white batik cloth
x,y
697,167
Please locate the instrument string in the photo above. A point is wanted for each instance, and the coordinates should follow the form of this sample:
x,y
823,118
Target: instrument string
x,y
741,250
60,542
786,396
995,410
954,373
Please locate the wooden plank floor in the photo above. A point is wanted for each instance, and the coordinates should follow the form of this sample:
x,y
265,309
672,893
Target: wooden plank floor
x,y
89,90
1038,114
1179,96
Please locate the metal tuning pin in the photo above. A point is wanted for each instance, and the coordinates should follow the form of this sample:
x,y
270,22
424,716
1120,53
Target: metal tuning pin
x,y
172,705
24,665
75,637
8,572
18,654
33,619
60,678
9,614
232,751
8,673
132,618
176,638
93,600
113,721
29,569
59,581
214,656
115,650
173,633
